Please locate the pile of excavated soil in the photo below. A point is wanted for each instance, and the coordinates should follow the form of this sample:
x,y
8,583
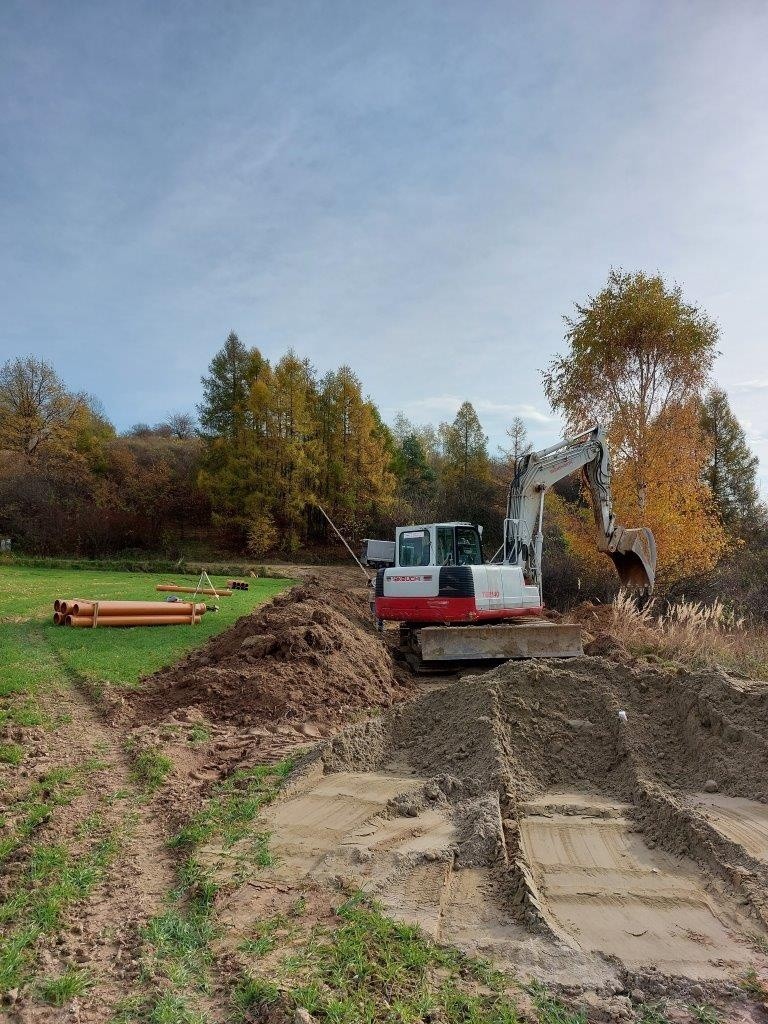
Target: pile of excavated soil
x,y
312,652
639,837
543,725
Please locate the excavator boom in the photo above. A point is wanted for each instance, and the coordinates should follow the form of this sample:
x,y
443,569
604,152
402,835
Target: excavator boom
x,y
633,551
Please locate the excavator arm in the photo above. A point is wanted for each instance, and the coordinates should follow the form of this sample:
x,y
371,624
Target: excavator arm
x,y
633,551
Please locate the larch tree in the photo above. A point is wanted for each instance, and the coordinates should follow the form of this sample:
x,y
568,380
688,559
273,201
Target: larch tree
x,y
226,390
465,445
518,445
467,485
231,470
356,484
639,357
292,449
731,467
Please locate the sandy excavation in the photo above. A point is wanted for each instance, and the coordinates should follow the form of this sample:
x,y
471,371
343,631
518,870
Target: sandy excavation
x,y
513,813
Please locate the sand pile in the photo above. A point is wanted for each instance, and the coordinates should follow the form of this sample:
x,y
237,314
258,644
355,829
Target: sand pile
x,y
541,725
312,650
578,822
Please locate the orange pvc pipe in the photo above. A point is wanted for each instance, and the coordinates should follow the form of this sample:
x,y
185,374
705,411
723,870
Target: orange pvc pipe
x,y
173,589
136,608
65,606
58,618
86,621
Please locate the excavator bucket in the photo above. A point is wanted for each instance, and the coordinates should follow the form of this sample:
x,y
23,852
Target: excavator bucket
x,y
634,555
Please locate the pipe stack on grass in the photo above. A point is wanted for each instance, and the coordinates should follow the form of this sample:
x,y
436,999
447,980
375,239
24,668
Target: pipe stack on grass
x,y
174,588
85,614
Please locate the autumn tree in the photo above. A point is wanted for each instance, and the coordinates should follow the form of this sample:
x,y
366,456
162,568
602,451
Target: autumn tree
x,y
731,467
36,410
416,480
355,482
467,485
181,425
518,444
231,471
465,445
638,359
227,388
290,456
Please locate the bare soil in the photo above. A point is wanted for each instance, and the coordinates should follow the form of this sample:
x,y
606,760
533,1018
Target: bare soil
x,y
312,651
513,813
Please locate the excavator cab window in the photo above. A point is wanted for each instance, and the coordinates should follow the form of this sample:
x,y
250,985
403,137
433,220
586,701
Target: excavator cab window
x,y
445,552
468,548
414,548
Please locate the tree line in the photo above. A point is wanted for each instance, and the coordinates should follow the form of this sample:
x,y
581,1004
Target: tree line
x,y
271,444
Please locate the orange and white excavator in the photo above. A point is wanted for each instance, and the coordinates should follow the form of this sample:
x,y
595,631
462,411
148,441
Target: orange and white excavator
x,y
453,606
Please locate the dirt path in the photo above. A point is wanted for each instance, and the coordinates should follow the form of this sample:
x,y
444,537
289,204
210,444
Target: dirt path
x,y
103,933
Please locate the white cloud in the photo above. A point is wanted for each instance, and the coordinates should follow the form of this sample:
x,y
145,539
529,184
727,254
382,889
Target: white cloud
x,y
449,405
751,385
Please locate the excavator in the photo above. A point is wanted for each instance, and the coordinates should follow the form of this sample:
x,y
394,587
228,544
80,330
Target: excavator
x,y
454,607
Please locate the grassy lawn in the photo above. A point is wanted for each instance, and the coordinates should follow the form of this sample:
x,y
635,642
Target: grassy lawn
x,y
33,651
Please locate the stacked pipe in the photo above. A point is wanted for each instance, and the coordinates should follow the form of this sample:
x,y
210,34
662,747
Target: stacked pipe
x,y
174,588
237,585
83,613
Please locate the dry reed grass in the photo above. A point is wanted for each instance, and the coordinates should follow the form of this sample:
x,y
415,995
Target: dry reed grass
x,y
691,632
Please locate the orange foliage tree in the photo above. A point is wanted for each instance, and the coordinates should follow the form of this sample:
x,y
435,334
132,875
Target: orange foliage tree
x,y
639,358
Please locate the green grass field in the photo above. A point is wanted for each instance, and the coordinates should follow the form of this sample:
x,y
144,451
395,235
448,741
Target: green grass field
x,y
34,653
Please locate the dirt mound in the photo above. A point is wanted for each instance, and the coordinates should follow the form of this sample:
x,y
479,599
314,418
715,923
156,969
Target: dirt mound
x,y
544,724
614,810
312,649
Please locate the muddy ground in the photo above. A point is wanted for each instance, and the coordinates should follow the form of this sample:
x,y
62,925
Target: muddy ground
x,y
619,858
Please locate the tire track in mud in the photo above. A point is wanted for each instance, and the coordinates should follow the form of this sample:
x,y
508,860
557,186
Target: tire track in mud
x,y
101,935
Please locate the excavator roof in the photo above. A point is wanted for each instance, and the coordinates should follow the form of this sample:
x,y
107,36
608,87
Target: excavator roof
x,y
426,526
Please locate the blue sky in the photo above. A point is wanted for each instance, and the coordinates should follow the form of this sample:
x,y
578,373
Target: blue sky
x,y
418,189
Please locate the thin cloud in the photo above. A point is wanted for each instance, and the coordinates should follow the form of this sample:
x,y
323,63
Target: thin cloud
x,y
751,385
449,405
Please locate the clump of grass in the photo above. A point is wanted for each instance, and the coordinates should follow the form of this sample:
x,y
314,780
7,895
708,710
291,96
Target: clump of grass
x,y
11,753
264,938
34,808
691,631
234,806
52,880
151,769
752,984
373,968
199,734
167,1009
25,714
551,1010
178,944
93,823
71,983
706,1014
178,951
652,1013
